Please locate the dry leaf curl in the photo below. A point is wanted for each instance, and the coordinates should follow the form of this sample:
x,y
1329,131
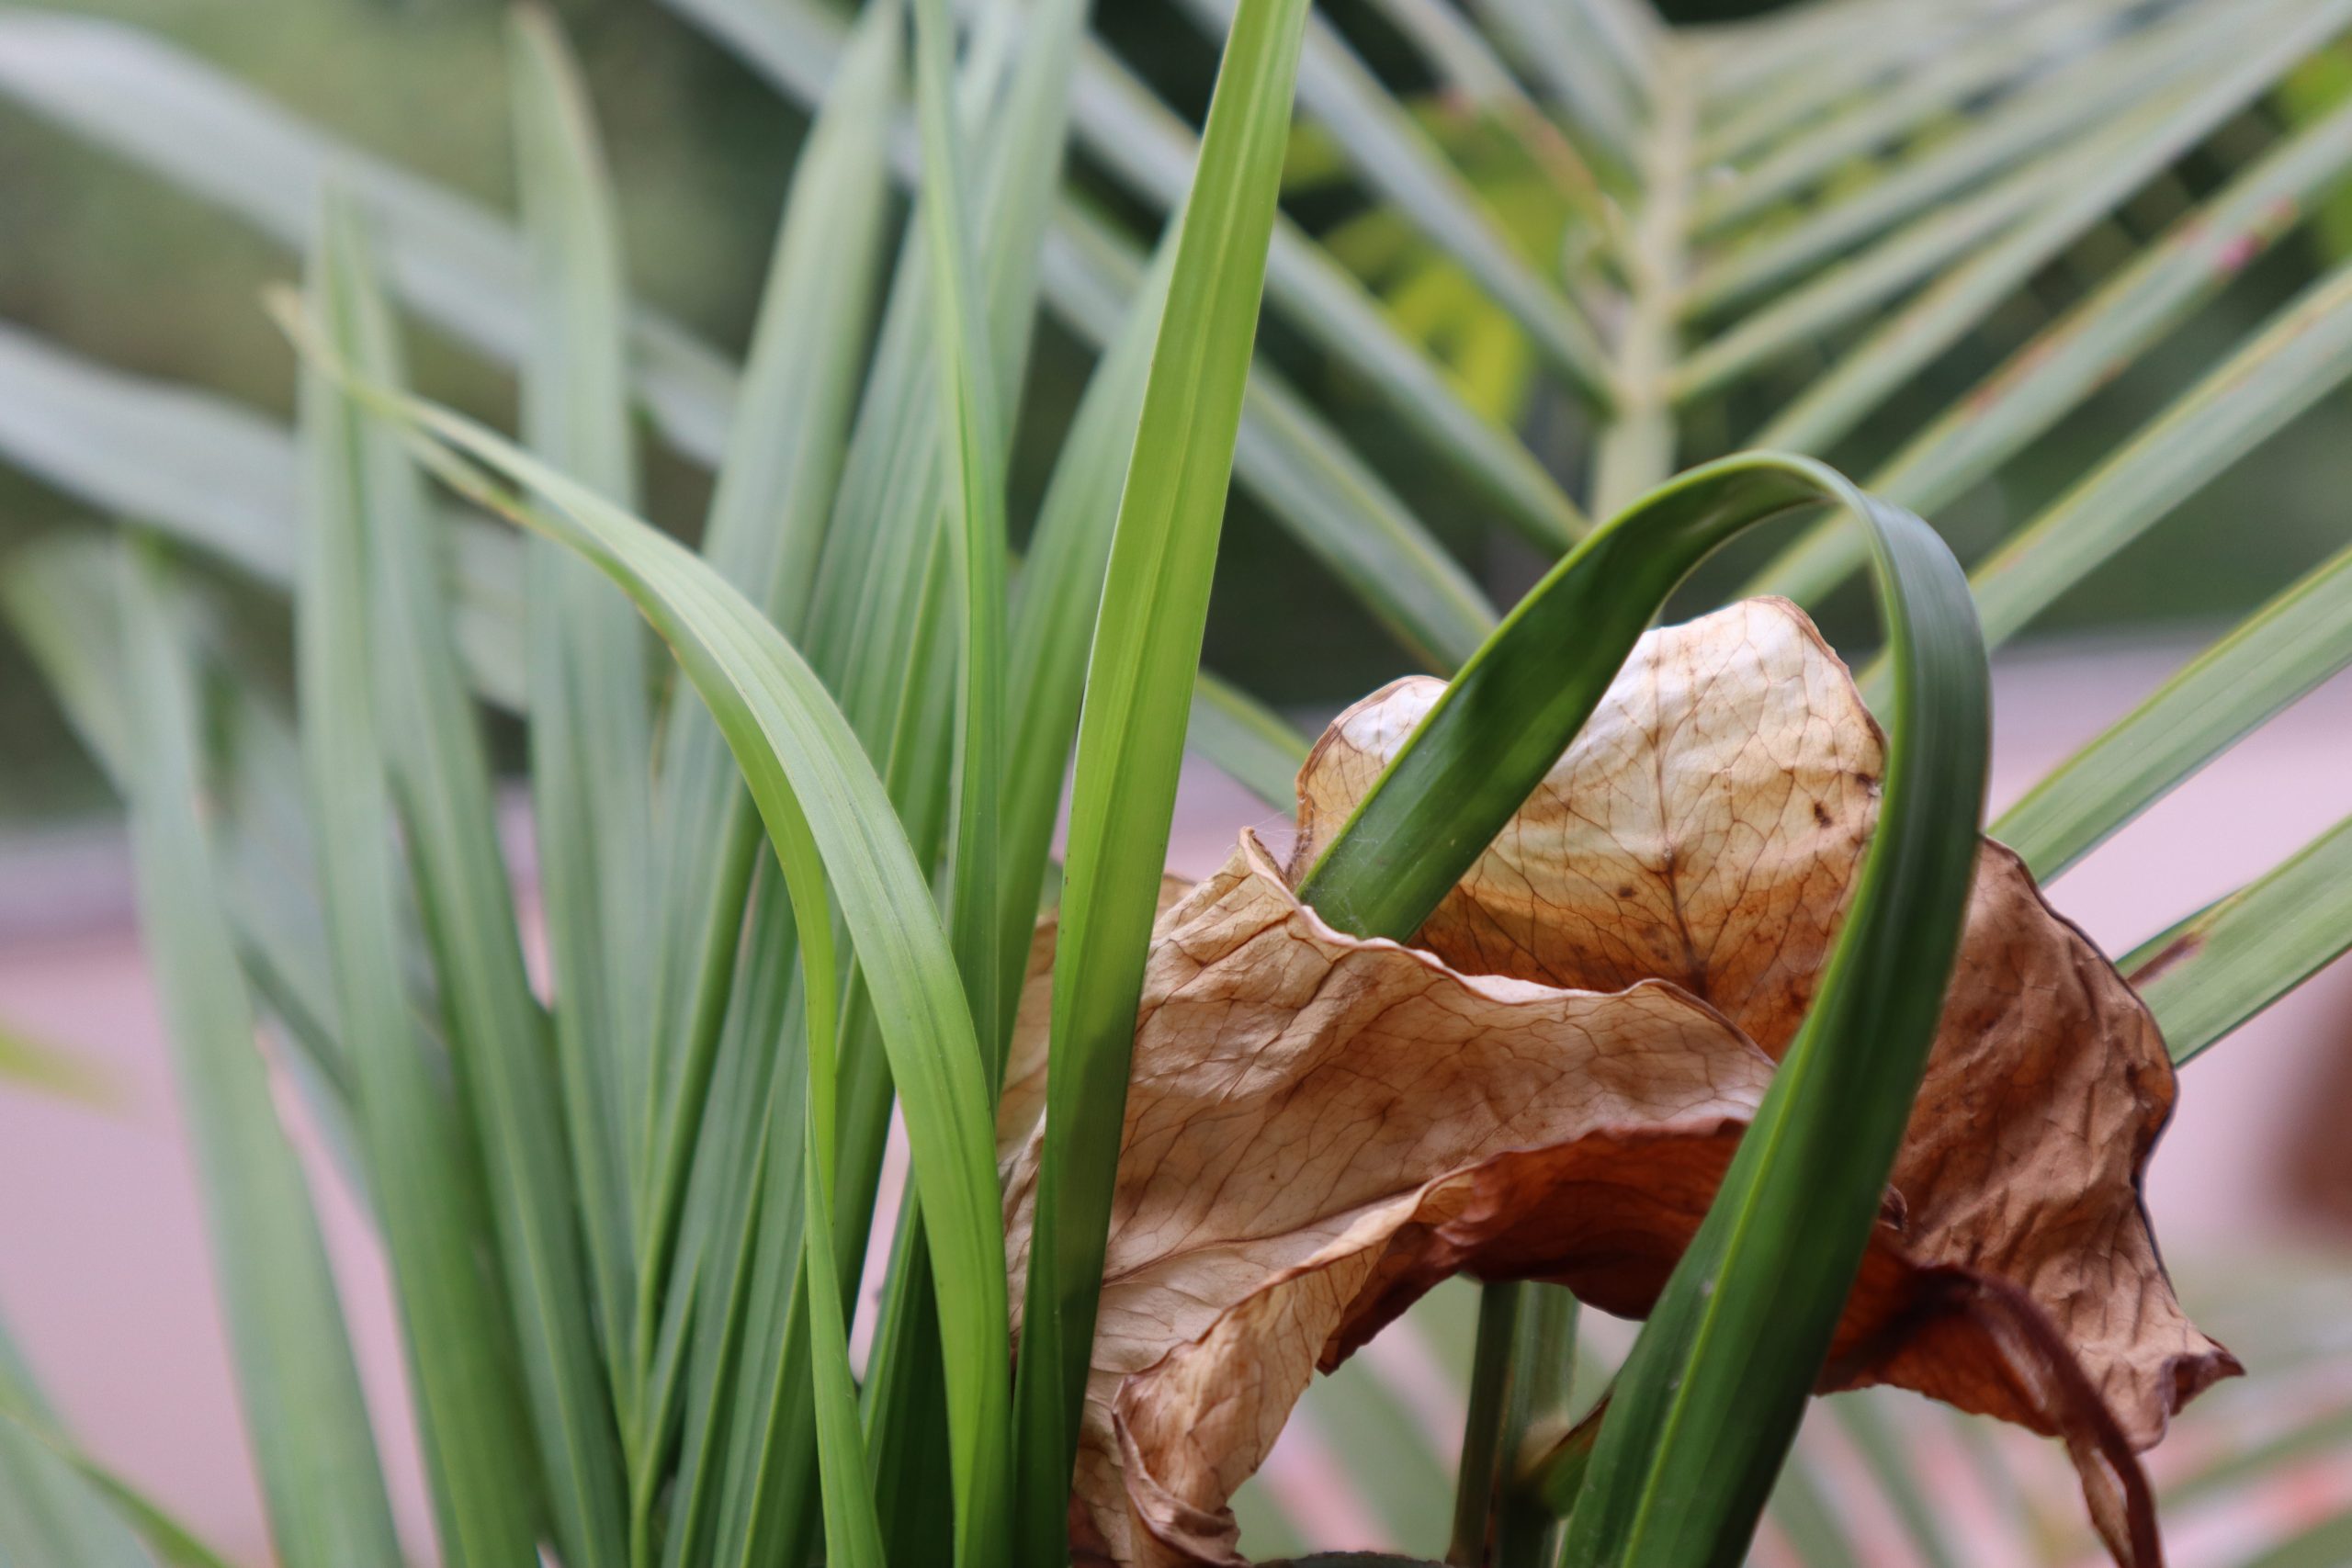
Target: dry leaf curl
x,y
1549,1086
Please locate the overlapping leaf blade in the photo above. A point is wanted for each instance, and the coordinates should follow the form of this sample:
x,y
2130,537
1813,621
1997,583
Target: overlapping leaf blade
x,y
591,714
803,764
1146,648
429,1193
297,1380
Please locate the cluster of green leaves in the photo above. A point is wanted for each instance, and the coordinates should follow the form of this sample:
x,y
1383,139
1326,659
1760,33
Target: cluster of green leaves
x,y
789,847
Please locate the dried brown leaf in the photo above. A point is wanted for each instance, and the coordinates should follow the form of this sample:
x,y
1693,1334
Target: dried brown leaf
x,y
1321,1128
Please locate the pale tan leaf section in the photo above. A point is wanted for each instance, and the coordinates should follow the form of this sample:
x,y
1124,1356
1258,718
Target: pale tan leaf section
x,y
1321,1128
1702,829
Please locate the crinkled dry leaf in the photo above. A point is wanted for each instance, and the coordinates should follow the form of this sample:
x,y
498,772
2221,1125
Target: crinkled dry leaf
x,y
1319,1125
1321,1128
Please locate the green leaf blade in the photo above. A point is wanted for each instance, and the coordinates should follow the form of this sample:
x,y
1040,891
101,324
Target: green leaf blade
x,y
298,1382
440,776
970,427
2283,651
1146,649
2226,964
591,730
485,1486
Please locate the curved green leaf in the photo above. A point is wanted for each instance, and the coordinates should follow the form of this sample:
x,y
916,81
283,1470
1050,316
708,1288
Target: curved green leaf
x,y
1706,1407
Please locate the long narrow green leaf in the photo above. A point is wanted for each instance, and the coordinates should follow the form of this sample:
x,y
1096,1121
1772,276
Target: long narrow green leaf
x,y
220,477
2000,60
1123,123
49,1513
1486,1452
298,1383
427,1180
972,453
591,722
853,1527
1400,162
172,1541
2275,656
1059,590
1907,340
718,1088
972,458
498,1041
1679,1477
2082,351
1146,651
2298,357
764,532
881,636
1709,1402
1523,1364
734,1326
2220,967
1543,1357
800,758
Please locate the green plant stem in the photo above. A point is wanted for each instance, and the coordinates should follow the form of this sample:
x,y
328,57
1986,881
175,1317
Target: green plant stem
x,y
1527,1534
1482,1449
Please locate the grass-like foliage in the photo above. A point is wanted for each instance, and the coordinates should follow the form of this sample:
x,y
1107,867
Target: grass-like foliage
x,y
792,789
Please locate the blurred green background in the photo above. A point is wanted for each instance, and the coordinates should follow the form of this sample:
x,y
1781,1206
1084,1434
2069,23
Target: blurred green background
x,y
118,266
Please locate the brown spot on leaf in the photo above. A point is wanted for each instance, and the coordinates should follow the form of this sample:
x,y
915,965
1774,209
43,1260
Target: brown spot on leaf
x,y
2183,947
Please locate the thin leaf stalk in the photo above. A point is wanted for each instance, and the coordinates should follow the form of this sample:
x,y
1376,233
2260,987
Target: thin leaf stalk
x,y
1637,445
